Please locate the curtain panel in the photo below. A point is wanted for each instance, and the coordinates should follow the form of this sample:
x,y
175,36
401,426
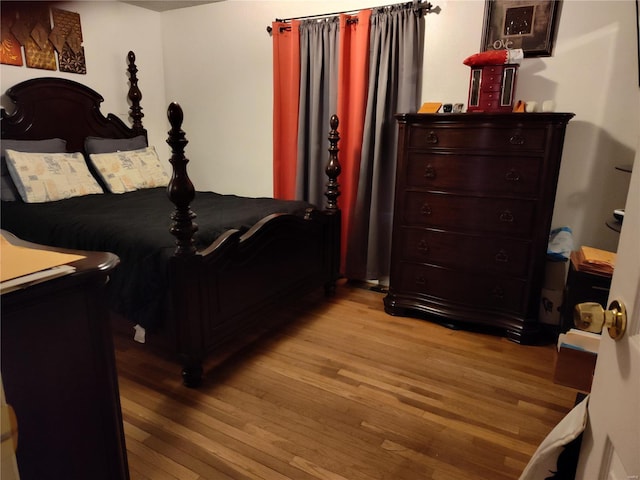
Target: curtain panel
x,y
365,68
353,78
286,88
396,53
318,101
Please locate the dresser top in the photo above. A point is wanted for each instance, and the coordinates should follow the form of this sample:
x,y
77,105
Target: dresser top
x,y
485,117
92,261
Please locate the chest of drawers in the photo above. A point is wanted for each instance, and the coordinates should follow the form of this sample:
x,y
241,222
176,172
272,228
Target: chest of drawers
x,y
473,205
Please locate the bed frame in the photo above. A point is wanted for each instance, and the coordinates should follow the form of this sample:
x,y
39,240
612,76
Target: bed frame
x,y
220,292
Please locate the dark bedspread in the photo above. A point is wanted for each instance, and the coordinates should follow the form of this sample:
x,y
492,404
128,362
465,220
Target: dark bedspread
x,y
135,226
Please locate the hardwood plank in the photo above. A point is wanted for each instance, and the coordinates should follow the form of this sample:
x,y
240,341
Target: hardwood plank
x,y
188,454
336,389
160,461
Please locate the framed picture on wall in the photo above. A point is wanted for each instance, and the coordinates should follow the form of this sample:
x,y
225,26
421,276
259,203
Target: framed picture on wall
x,y
526,24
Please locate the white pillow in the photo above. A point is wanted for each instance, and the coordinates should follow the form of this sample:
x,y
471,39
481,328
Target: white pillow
x,y
130,170
46,177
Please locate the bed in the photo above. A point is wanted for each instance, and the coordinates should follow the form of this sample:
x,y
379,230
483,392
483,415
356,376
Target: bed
x,y
193,275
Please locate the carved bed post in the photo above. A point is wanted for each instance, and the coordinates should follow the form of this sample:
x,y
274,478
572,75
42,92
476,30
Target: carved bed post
x,y
180,189
135,95
185,264
332,193
333,167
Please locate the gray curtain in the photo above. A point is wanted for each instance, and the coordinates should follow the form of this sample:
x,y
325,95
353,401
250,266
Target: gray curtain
x,y
395,69
318,101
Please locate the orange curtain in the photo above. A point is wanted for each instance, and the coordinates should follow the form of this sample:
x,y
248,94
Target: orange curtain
x,y
353,78
286,92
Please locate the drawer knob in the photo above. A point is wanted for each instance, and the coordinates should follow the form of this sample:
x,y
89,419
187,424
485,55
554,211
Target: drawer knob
x,y
420,280
432,138
423,246
426,209
512,176
516,139
497,292
429,172
502,256
507,217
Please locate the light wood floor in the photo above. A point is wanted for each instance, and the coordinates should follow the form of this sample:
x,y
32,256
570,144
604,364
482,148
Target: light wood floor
x,y
342,390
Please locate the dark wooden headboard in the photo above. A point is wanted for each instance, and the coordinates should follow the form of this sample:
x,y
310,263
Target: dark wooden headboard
x,y
49,107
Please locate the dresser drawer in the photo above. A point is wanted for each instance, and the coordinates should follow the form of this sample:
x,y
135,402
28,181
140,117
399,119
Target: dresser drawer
x,y
472,289
477,138
473,214
492,87
495,254
492,73
474,173
489,102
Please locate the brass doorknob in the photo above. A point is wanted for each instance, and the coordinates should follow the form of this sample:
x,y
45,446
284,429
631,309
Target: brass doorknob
x,y
591,317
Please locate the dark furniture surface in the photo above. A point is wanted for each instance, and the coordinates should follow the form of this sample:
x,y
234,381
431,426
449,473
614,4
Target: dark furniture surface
x,y
59,375
218,291
583,287
491,88
473,207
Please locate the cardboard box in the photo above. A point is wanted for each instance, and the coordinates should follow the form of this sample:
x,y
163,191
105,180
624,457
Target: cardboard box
x,y
575,368
552,293
576,357
555,274
550,306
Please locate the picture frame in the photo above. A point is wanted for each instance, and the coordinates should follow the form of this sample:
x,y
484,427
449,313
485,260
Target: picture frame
x,y
526,24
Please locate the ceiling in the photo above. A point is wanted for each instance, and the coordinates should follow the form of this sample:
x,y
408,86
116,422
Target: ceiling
x,y
164,5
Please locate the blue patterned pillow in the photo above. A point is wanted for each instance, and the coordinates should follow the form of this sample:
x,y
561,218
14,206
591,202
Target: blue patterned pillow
x,y
46,177
8,190
128,171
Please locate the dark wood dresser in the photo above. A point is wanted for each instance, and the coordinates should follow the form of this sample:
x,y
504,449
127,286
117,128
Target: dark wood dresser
x,y
473,205
59,375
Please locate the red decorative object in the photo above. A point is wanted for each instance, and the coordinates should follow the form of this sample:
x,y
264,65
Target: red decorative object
x,y
494,57
492,84
492,88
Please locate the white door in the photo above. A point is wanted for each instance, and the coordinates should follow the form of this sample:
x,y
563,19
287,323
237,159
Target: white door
x,y
611,442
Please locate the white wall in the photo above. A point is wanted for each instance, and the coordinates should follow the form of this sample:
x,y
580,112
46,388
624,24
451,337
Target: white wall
x,y
110,29
228,103
216,61
593,73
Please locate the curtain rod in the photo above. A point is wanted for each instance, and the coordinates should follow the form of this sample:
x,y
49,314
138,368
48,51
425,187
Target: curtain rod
x,y
419,8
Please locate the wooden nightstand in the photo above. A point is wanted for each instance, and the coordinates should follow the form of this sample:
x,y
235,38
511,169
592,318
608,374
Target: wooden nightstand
x,y
59,375
582,287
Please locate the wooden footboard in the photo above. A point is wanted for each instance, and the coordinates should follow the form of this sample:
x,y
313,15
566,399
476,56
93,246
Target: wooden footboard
x,y
219,293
